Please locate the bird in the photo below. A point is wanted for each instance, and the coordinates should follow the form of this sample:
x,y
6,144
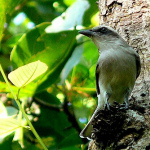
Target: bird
x,y
117,69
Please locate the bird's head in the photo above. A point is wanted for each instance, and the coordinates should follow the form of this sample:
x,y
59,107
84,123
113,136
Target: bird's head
x,y
103,36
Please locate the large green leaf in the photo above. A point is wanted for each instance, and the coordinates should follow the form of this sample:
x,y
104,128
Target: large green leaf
x,y
54,49
65,22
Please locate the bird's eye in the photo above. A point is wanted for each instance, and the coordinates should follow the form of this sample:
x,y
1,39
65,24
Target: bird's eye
x,y
103,30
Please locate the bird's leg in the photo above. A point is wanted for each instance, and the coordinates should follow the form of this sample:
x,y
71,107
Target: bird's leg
x,y
126,103
126,100
107,101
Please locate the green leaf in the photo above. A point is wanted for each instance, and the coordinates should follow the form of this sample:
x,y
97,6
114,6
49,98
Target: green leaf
x,y
89,13
73,60
53,49
6,7
55,125
2,17
13,40
11,4
6,143
71,139
27,73
8,125
27,91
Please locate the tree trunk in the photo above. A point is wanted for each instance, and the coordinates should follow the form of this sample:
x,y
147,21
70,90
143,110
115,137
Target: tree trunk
x,y
130,129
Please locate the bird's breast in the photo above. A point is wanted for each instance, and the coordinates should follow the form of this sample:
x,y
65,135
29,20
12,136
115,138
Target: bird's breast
x,y
117,73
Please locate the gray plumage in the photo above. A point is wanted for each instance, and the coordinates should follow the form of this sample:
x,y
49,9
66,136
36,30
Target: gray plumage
x,y
117,68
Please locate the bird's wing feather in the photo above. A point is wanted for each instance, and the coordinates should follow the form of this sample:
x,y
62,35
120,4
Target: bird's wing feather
x,y
131,51
138,65
97,79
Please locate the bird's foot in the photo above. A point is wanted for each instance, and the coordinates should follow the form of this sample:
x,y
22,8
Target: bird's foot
x,y
124,106
107,106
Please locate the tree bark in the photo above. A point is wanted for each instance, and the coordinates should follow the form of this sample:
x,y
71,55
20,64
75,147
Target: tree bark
x,y
130,129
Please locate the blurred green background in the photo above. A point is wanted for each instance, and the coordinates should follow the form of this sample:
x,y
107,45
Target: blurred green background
x,y
59,103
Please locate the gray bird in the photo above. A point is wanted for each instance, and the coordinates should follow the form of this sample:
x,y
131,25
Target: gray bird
x,y
117,69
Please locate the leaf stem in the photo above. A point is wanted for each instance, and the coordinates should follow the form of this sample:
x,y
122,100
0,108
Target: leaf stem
x,y
84,89
22,110
31,126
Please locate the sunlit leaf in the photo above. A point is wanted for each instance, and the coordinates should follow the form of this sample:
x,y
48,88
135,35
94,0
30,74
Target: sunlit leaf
x,y
2,17
69,2
27,73
3,111
8,125
65,21
54,49
20,131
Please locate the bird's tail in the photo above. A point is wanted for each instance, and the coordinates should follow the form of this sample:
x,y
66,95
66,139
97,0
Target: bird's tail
x,y
86,132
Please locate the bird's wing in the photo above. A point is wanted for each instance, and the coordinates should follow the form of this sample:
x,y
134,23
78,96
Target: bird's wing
x,y
138,65
97,78
132,52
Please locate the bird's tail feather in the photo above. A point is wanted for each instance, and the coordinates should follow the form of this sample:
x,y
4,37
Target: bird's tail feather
x,y
86,132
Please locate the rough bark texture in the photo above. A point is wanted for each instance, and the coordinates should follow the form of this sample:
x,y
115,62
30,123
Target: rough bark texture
x,y
128,129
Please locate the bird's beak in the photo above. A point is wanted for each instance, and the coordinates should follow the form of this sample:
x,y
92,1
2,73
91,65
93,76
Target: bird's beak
x,y
88,33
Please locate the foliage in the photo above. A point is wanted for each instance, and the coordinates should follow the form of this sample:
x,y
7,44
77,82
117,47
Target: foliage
x,y
60,101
